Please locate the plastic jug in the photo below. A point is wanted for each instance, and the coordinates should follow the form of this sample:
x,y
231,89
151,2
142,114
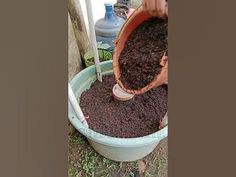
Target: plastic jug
x,y
108,27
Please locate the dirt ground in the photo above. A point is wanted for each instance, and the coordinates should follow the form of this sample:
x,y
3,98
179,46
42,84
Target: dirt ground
x,y
85,162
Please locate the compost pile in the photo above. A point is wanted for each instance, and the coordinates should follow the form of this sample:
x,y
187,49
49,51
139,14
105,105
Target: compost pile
x,y
137,117
140,59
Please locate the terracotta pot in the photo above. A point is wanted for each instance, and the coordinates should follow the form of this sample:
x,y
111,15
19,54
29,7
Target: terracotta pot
x,y
136,18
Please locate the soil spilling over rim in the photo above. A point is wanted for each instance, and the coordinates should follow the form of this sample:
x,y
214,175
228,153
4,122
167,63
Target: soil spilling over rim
x,y
137,117
140,59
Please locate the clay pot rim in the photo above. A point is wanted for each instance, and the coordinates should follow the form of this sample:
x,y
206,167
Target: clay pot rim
x,y
116,67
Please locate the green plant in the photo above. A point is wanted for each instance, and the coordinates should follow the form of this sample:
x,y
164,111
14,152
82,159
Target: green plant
x,y
76,140
72,172
103,53
89,162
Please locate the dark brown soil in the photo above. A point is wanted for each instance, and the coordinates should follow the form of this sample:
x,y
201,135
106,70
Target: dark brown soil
x,y
134,118
139,60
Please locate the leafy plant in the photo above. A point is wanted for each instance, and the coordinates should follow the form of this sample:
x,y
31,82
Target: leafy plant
x,y
103,53
72,172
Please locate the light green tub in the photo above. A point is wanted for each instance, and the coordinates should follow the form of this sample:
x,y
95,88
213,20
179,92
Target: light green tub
x,y
118,149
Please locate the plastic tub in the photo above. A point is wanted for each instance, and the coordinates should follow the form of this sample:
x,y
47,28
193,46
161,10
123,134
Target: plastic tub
x,y
118,149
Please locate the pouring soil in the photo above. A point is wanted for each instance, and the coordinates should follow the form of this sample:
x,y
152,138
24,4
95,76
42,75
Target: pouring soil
x,y
137,117
140,59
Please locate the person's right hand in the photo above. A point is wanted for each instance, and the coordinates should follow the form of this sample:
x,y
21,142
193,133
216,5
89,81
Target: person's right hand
x,y
157,8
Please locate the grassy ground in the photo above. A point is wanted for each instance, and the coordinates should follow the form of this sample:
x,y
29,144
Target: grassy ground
x,y
85,162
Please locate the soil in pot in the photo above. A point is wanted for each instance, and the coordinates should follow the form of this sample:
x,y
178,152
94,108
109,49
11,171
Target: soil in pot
x,y
137,117
140,59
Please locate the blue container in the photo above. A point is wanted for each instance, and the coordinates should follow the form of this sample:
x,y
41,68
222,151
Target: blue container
x,y
108,27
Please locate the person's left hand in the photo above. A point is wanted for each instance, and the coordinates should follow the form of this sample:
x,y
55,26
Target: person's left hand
x,y
164,63
161,78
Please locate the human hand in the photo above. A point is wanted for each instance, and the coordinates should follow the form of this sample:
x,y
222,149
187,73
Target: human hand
x,y
157,8
161,78
164,63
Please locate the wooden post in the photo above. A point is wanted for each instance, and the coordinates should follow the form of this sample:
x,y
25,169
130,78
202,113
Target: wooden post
x,y
93,39
79,27
74,59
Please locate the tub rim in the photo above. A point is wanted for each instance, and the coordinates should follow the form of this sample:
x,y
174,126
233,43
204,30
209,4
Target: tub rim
x,y
109,140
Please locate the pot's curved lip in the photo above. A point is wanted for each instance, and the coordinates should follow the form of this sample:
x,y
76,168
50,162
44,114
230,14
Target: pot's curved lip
x,y
108,140
113,141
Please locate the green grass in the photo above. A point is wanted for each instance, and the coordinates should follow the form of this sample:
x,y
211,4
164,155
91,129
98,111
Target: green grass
x,y
72,171
89,162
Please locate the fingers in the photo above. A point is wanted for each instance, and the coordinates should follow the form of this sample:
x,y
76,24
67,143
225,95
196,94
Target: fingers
x,y
151,6
156,7
145,4
166,9
159,7
164,59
